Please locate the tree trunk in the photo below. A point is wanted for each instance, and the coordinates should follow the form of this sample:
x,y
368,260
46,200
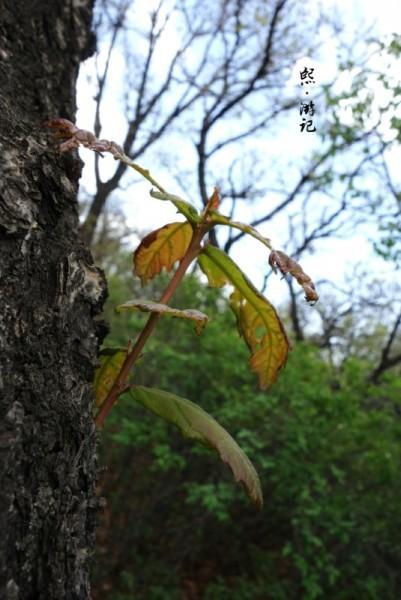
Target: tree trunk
x,y
49,294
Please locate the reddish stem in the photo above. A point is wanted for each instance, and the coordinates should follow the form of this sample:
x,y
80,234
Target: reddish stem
x,y
121,380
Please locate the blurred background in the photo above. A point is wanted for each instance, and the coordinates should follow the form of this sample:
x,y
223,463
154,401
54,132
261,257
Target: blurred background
x,y
209,93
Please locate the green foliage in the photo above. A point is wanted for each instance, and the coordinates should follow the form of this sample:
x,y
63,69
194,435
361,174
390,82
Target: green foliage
x,y
325,443
372,118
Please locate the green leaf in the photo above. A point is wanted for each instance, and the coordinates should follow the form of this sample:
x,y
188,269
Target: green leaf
x,y
198,317
111,360
161,249
196,424
257,319
219,219
183,207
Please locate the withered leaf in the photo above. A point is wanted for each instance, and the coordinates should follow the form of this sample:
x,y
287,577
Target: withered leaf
x,y
199,318
285,264
214,201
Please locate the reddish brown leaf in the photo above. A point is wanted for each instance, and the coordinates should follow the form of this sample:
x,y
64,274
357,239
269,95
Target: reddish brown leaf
x,y
214,201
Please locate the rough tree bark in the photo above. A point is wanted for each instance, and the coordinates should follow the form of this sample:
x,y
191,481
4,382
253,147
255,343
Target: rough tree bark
x,y
49,294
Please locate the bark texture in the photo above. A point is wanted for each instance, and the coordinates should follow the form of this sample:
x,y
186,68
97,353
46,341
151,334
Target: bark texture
x,y
50,292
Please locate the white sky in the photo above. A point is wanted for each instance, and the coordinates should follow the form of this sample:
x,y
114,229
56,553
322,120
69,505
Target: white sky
x,y
144,213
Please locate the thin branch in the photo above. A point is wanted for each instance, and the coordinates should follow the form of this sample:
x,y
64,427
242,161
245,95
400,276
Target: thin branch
x,y
97,126
294,313
389,181
251,130
305,178
262,69
387,362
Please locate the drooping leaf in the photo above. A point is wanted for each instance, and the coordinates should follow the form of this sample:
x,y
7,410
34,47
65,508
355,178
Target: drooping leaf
x,y
264,335
183,207
161,249
257,319
216,276
198,425
111,360
286,264
199,318
219,219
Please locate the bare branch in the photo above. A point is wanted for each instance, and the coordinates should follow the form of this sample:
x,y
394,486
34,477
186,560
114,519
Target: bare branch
x,y
261,70
386,361
252,130
306,177
101,80
294,313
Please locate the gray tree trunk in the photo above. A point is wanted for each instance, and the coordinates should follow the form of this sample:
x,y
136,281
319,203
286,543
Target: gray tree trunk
x,y
49,294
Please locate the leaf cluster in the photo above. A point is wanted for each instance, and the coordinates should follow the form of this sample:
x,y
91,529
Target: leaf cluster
x,y
257,320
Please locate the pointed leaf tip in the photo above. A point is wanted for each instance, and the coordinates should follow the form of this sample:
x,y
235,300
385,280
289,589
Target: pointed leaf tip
x,y
214,201
219,219
182,206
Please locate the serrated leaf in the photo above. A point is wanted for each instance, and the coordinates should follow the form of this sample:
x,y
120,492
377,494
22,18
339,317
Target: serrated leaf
x,y
257,319
161,249
264,335
196,424
219,219
183,207
111,360
199,318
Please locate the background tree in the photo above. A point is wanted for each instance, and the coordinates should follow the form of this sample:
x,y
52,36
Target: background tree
x,y
224,83
212,83
50,293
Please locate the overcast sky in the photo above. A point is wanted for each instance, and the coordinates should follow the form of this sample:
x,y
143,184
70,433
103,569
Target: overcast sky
x,y
144,213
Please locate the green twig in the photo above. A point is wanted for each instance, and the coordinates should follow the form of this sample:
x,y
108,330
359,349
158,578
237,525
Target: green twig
x,y
144,172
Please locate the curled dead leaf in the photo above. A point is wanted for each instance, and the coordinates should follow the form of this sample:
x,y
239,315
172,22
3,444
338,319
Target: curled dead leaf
x,y
285,264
